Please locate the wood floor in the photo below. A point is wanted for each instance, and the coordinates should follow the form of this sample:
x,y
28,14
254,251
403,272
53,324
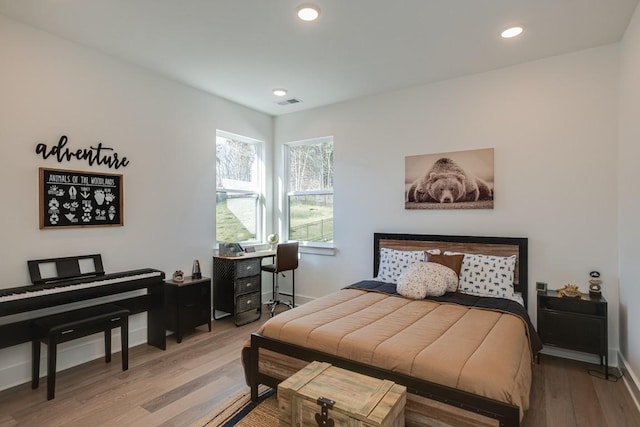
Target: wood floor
x,y
178,386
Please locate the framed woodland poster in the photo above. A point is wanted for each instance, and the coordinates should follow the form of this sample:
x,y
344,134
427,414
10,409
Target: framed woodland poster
x,y
80,199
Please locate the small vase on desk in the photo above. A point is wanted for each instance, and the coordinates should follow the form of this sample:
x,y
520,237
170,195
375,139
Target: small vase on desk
x,y
273,241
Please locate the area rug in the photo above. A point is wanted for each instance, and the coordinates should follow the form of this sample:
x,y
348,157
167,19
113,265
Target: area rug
x,y
240,411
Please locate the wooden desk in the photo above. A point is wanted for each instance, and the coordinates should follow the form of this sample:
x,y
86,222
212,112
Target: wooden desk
x,y
237,286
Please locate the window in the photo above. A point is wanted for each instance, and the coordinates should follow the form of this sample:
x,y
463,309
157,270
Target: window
x,y
310,190
239,180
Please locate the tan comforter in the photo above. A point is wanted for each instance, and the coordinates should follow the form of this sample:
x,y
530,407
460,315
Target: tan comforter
x,y
480,351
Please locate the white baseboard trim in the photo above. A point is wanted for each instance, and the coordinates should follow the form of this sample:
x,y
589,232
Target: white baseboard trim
x,y
70,354
579,356
300,299
630,379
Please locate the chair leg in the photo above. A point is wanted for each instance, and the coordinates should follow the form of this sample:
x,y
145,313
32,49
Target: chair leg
x,y
275,301
291,303
273,287
274,294
287,303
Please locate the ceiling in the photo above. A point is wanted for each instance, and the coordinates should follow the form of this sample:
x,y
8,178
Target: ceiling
x,y
242,49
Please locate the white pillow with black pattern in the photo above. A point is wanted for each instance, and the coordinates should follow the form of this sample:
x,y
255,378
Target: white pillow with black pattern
x,y
394,262
487,275
425,279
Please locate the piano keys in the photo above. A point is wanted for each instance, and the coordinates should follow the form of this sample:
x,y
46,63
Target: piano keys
x,y
55,292
28,298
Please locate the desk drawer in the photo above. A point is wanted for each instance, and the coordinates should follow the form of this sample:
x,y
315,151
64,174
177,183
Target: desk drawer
x,y
247,285
247,268
248,302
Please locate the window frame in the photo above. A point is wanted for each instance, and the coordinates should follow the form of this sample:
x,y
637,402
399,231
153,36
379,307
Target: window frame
x,y
260,212
287,193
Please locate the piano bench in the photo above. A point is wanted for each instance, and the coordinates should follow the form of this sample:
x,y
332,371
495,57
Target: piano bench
x,y
62,327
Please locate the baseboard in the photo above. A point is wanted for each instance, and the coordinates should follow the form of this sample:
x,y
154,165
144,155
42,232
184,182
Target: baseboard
x,y
579,356
72,353
630,379
300,299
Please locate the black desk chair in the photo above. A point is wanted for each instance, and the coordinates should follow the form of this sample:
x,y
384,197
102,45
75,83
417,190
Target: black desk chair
x,y
286,260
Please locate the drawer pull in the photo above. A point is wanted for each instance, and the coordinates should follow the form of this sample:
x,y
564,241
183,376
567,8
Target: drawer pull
x,y
248,301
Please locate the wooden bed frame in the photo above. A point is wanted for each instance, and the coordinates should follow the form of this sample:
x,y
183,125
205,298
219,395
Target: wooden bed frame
x,y
504,414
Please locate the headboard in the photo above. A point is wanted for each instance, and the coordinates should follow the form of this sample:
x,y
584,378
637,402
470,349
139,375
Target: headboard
x,y
499,246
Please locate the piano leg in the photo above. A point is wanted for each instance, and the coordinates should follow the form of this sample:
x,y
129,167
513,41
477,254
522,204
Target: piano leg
x,y
35,363
156,329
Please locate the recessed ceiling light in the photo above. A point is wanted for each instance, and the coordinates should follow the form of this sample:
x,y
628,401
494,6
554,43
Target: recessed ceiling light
x,y
279,92
512,32
308,12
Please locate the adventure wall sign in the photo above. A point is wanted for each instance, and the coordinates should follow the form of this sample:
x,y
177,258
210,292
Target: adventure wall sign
x,y
98,155
80,199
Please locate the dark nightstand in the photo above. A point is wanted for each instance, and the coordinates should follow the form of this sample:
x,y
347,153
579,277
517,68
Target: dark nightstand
x,y
187,304
578,324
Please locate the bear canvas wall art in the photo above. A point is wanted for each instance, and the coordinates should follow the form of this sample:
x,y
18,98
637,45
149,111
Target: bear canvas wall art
x,y
453,180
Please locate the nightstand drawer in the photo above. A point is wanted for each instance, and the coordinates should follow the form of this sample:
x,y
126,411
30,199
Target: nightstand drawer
x,y
247,268
195,295
194,315
567,330
572,305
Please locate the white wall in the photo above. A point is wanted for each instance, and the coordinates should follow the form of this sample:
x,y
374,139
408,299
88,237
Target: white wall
x,y
629,200
553,124
49,88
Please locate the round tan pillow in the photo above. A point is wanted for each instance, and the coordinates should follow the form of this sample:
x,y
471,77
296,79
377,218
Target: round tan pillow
x,y
425,279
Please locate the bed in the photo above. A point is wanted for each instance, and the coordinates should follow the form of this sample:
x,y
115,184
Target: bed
x,y
465,359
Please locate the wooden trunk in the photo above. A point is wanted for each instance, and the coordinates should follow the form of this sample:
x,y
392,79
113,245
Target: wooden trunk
x,y
358,400
419,411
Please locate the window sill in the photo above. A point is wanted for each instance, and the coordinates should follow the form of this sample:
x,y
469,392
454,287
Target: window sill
x,y
317,249
313,248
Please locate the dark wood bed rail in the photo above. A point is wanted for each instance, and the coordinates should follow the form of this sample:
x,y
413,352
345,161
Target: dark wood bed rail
x,y
506,414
